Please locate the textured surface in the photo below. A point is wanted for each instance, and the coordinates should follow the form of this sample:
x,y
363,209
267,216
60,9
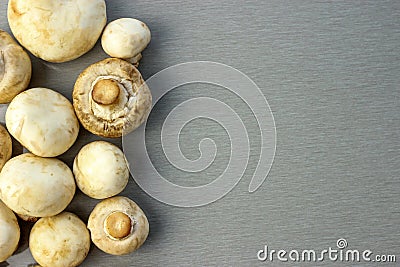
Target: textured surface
x,y
331,73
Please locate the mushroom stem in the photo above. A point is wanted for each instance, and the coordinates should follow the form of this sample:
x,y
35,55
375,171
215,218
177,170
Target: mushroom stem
x,y
118,225
105,91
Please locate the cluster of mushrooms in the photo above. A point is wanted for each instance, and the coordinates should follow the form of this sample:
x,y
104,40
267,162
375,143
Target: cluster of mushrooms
x,y
110,99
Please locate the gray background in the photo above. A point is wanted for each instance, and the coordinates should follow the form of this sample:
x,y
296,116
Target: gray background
x,y
330,71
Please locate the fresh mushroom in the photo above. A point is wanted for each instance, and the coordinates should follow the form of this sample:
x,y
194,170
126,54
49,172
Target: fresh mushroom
x,y
5,146
57,30
43,121
101,170
59,241
36,187
126,38
118,226
15,68
9,232
111,98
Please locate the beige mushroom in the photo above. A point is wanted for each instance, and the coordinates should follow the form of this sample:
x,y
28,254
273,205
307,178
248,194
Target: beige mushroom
x,y
118,226
15,68
5,146
57,30
9,232
111,98
126,38
43,121
59,241
101,170
36,187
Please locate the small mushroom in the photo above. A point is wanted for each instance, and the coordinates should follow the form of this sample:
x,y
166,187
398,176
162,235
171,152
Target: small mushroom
x,y
10,232
36,187
126,38
118,226
111,98
101,170
58,241
43,121
15,68
57,30
5,146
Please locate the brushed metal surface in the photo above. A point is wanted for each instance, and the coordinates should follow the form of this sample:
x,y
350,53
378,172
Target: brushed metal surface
x,y
331,73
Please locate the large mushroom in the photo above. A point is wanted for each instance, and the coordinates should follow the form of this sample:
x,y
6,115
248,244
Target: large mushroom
x,y
15,68
5,146
111,98
43,121
10,232
36,187
57,30
118,226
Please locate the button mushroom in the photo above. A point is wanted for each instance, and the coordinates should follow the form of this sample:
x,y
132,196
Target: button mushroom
x,y
111,98
118,226
10,232
43,121
101,170
57,30
126,38
15,68
36,187
5,146
58,241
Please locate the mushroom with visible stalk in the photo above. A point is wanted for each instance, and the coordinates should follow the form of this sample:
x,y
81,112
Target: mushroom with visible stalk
x,y
36,187
126,38
100,169
57,30
58,241
111,98
10,232
15,68
5,146
43,121
118,226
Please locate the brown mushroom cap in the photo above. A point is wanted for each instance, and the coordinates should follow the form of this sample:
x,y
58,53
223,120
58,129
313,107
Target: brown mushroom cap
x,y
5,146
111,98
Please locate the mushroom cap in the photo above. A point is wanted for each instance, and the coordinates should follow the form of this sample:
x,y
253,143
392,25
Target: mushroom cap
x,y
128,109
10,232
58,241
36,187
57,30
15,68
125,38
5,146
102,222
101,170
43,121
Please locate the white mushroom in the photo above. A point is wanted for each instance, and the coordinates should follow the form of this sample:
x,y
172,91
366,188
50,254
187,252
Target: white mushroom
x,y
101,170
15,68
57,30
111,98
9,232
126,38
5,146
118,226
43,121
36,187
59,241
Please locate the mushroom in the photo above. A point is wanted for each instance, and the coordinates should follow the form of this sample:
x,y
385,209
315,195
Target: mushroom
x,y
5,146
101,170
36,187
58,241
15,68
118,226
126,38
57,30
111,98
43,121
10,232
